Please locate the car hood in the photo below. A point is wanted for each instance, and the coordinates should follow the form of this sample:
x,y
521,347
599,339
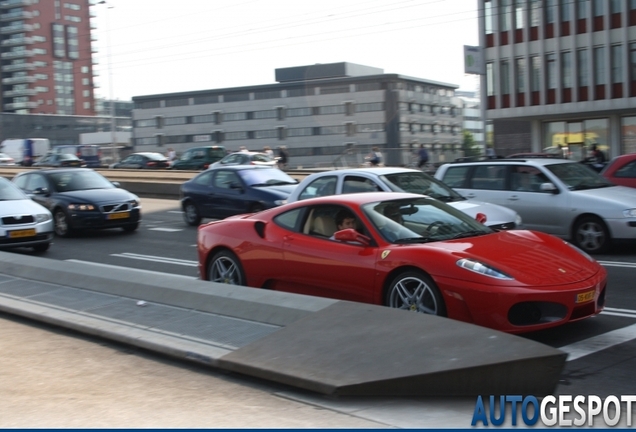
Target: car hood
x,y
98,196
530,257
283,191
24,207
495,214
623,195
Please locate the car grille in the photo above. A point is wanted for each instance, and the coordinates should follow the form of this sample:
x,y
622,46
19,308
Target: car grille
x,y
116,207
17,219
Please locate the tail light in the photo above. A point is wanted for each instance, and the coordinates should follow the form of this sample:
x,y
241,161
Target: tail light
x,y
150,163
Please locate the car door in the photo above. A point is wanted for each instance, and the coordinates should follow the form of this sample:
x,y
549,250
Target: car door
x,y
485,182
540,210
228,194
316,265
34,184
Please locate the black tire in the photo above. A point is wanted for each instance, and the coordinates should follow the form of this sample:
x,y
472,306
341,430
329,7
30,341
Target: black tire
x,y
191,214
225,267
415,291
61,224
41,248
591,235
131,228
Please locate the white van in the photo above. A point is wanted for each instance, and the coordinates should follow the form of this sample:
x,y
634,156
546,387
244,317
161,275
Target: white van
x,y
25,151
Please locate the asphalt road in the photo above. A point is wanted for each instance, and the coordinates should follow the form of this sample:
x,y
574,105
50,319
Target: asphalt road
x,y
603,349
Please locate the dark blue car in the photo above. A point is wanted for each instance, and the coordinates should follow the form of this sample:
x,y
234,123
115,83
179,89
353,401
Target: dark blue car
x,y
81,199
224,191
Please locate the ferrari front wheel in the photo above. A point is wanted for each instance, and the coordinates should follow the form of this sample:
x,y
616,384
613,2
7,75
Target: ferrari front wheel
x,y
416,292
225,267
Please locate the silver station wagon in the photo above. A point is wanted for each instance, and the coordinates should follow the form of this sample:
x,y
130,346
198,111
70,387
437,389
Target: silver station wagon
x,y
395,179
556,196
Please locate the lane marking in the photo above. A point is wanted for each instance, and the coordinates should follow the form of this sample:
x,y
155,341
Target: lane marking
x,y
152,258
165,229
175,211
130,268
600,342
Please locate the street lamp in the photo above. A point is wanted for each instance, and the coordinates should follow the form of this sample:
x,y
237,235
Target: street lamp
x,y
113,132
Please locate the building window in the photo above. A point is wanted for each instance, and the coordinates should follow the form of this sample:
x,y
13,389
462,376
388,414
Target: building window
x,y
632,69
617,64
490,79
72,42
582,62
599,66
234,116
505,15
521,74
205,118
488,23
270,133
535,18
266,114
628,132
551,71
232,136
566,76
59,41
519,14
598,12
332,109
535,78
299,112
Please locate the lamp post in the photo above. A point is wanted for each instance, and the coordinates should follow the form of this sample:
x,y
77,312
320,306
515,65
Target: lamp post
x,y
113,128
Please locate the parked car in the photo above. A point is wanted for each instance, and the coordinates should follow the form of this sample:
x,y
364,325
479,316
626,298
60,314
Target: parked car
x,y
557,196
392,179
224,191
81,199
6,160
409,252
246,158
621,170
60,160
143,160
199,158
23,222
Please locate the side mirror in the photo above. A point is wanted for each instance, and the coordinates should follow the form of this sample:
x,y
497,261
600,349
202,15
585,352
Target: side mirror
x,y
481,218
235,185
41,191
549,187
116,184
352,236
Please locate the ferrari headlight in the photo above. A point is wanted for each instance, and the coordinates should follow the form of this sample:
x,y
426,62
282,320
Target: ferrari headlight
x,y
81,207
42,217
585,254
629,213
486,270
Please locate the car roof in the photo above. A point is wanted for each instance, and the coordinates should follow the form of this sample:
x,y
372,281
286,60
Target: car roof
x,y
148,153
55,170
528,161
360,198
240,167
374,171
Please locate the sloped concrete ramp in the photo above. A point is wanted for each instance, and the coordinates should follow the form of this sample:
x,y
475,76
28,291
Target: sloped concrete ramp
x,y
327,346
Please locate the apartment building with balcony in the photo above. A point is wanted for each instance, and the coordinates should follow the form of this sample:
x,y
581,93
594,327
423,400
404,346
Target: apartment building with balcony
x,y
560,74
46,57
316,111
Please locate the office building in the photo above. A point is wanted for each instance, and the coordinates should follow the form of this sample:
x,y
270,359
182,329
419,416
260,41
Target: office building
x,y
46,57
318,112
560,75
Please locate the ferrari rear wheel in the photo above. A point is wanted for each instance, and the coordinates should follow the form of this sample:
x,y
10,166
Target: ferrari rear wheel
x,y
225,267
416,292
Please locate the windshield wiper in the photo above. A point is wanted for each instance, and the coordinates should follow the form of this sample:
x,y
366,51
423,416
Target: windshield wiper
x,y
413,240
471,233
585,186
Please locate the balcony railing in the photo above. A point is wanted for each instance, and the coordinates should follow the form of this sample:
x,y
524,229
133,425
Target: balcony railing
x,y
8,55
23,92
17,41
18,67
16,28
19,80
20,105
8,4
12,16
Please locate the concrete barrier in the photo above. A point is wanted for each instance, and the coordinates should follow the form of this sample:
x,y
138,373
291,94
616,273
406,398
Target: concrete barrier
x,y
327,346
162,184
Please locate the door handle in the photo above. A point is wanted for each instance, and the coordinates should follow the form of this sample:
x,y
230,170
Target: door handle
x,y
513,198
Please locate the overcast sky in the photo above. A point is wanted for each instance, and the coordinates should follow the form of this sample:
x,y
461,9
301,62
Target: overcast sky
x,y
165,46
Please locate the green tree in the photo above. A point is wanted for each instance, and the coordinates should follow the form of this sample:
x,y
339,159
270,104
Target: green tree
x,y
468,145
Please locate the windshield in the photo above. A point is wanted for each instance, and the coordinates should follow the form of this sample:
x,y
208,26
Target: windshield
x,y
269,176
577,176
9,192
421,183
80,180
421,220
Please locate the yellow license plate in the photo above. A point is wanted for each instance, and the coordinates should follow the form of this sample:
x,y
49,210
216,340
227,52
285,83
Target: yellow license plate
x,y
124,215
22,233
584,297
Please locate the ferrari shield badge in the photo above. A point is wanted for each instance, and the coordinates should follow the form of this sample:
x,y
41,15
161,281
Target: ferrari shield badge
x,y
385,253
